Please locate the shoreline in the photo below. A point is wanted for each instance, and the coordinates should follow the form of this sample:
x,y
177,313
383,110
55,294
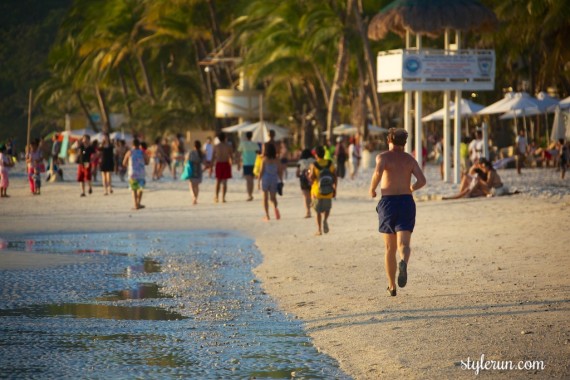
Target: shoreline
x,y
482,271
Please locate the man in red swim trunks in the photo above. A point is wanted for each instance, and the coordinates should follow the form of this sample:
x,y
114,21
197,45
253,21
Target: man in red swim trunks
x,y
396,209
223,166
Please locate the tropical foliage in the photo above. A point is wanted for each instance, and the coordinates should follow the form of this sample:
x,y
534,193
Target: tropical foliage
x,y
312,58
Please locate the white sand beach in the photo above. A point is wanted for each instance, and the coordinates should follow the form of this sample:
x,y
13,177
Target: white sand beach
x,y
487,276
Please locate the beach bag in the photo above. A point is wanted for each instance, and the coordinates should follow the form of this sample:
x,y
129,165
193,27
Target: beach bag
x,y
257,165
304,180
325,179
187,172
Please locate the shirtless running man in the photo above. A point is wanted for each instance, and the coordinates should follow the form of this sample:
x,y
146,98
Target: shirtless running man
x,y
223,166
396,208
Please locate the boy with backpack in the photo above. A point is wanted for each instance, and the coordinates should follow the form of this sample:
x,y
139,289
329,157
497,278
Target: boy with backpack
x,y
323,189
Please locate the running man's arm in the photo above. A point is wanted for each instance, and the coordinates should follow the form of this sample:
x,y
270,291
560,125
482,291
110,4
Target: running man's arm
x,y
420,178
376,176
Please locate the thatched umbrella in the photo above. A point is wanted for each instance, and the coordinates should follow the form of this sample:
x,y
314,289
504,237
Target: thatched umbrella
x,y
431,17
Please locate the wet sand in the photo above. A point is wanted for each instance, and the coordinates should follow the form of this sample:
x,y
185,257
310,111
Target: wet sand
x,y
487,276
17,260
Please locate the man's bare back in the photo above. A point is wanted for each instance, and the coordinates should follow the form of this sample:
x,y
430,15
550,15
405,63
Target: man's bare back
x,y
222,152
394,170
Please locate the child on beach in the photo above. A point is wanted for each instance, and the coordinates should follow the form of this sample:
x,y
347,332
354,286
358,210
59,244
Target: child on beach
x,y
270,175
136,160
323,189
5,163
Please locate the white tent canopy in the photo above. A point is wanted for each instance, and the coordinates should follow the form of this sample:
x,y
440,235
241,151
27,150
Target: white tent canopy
x,y
467,107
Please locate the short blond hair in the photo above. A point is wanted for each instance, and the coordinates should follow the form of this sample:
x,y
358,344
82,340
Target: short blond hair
x,y
397,136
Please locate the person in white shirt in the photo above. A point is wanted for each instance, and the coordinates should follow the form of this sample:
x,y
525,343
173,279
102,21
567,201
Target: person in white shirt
x,y
521,150
208,155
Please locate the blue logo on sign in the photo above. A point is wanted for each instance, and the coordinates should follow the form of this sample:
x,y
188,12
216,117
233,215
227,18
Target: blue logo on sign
x,y
412,65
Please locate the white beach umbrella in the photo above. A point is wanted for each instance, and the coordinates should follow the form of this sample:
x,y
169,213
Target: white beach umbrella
x,y
375,130
520,113
261,131
345,129
498,106
467,107
546,103
236,128
560,126
564,104
512,102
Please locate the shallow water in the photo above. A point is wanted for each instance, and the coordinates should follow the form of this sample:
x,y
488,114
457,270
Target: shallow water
x,y
150,305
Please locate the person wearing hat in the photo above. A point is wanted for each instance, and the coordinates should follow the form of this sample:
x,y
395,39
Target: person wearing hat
x,y
396,208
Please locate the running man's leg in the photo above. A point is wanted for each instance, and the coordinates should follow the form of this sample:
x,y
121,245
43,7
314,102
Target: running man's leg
x,y
390,240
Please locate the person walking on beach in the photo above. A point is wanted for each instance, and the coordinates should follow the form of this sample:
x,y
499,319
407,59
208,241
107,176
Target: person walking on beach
x,y
521,150
303,170
5,163
323,189
341,156
271,174
34,163
223,166
84,153
158,156
176,154
248,150
396,208
354,155
208,155
196,158
107,152
135,160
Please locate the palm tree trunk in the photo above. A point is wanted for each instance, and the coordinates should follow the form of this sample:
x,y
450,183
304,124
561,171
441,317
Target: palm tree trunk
x,y
125,93
336,85
86,111
322,82
103,108
368,59
338,75
134,78
146,77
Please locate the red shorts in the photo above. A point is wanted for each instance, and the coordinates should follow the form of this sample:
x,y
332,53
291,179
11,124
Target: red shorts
x,y
83,173
223,170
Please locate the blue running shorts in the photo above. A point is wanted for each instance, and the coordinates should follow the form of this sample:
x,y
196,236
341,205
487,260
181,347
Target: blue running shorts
x,y
396,213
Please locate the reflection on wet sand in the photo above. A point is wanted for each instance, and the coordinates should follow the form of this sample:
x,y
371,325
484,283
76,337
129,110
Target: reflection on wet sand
x,y
132,313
